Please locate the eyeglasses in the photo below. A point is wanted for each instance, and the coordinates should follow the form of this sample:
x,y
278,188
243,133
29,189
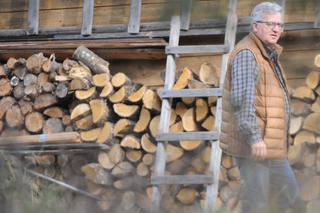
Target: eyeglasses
x,y
271,24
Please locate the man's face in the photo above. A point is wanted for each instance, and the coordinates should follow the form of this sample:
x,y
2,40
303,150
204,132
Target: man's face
x,y
269,29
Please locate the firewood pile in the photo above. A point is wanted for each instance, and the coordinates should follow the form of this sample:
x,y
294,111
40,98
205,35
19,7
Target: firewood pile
x,y
79,97
304,155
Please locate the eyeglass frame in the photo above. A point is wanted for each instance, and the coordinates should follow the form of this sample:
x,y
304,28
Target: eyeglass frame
x,y
272,24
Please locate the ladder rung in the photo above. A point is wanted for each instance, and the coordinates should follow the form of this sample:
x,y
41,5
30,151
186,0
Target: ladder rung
x,y
213,135
198,49
181,179
205,92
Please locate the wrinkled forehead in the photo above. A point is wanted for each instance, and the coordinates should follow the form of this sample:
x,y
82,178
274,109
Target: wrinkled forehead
x,y
272,16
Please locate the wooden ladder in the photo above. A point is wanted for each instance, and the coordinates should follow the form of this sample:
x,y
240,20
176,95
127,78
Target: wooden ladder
x,y
211,181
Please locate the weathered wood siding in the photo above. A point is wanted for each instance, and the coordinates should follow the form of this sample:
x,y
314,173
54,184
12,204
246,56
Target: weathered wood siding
x,y
58,13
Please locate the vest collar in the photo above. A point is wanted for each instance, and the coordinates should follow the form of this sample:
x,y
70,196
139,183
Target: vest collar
x,y
259,43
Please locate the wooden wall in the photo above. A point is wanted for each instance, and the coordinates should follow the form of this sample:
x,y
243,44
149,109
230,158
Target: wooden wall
x,y
58,13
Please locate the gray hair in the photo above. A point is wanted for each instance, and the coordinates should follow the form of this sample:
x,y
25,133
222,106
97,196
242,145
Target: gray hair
x,y
265,7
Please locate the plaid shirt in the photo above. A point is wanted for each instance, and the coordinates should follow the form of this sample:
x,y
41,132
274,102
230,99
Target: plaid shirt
x,y
244,75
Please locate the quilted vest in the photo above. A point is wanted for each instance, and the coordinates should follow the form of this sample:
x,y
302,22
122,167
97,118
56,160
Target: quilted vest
x,y
269,106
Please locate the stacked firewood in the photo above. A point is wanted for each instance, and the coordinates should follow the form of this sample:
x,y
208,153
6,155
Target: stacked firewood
x,y
42,96
304,155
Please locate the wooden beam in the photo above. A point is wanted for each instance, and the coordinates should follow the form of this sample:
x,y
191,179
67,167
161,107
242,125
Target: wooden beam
x,y
87,17
185,14
213,135
135,14
182,179
204,92
33,17
317,15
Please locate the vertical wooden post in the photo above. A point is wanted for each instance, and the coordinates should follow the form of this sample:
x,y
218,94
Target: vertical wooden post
x,y
185,13
134,19
33,17
160,161
317,15
87,17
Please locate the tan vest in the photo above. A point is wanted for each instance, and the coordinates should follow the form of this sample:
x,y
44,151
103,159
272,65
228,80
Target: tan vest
x,y
269,106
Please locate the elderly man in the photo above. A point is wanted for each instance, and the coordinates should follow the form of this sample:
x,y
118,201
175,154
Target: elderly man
x,y
256,115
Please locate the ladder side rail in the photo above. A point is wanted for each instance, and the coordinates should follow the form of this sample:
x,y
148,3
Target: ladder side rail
x,y
33,17
216,152
87,17
135,16
185,13
160,159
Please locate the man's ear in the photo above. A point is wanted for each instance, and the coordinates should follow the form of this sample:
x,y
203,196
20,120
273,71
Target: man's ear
x,y
254,27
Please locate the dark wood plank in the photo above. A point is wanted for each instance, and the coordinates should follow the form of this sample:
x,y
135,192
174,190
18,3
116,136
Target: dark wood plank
x,y
135,14
87,17
317,15
33,17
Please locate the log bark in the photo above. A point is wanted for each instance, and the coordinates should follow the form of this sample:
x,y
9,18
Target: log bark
x,y
90,59
53,125
35,62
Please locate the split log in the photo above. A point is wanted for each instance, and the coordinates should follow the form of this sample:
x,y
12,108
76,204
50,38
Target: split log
x,y
227,162
198,165
105,161
313,79
188,120
151,100
100,111
189,145
125,111
120,79
137,96
90,59
61,90
25,106
206,154
189,101
4,71
304,137
44,101
95,173
304,93
180,109
134,155
299,107
120,95
66,120
81,72
116,154
208,123
187,195
31,91
106,133
315,107
130,141
147,145
176,128
101,80
312,122
107,90
295,125
53,125
295,154
30,79
182,81
143,122
14,117
173,153
54,112
142,169
50,65
209,74
35,62
34,122
154,125
195,84
88,94
5,87
128,201
11,63
122,169
84,123
148,159
123,127
79,84
68,64
80,111
317,61
18,91
90,135
201,110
